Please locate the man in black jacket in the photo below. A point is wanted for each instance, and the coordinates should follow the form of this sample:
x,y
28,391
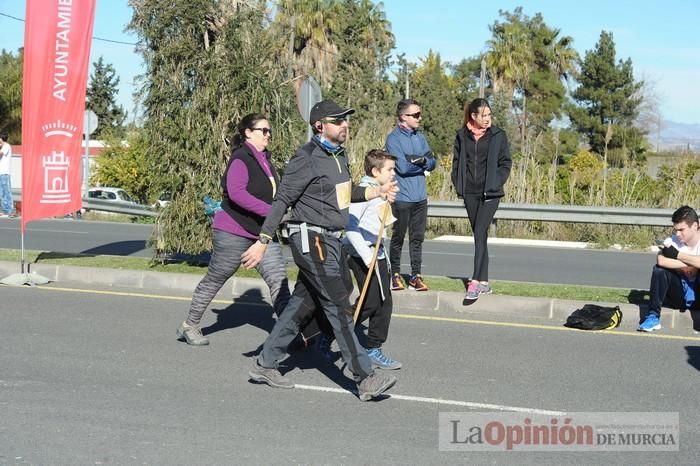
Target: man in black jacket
x,y
318,186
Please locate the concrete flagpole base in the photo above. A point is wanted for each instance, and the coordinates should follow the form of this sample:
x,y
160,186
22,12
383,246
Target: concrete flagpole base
x,y
19,279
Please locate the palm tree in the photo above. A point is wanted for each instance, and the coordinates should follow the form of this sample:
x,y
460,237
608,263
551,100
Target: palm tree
x,y
564,57
310,25
552,51
375,33
509,54
509,61
527,60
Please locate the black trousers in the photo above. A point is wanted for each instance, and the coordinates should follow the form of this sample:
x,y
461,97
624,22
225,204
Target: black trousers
x,y
665,289
411,216
374,308
323,283
481,212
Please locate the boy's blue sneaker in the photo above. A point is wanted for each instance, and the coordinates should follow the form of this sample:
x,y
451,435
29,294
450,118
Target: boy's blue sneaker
x,y
650,324
381,360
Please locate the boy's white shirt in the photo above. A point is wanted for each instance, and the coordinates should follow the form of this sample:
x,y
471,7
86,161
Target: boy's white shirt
x,y
689,272
363,225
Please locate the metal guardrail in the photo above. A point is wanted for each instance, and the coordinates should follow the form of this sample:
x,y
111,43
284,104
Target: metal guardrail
x,y
561,213
107,206
119,208
455,209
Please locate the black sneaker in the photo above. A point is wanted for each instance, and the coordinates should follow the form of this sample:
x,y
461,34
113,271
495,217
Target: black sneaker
x,y
272,377
374,385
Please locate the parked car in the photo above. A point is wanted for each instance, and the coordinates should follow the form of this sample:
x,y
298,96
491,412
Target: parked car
x,y
111,199
162,201
110,194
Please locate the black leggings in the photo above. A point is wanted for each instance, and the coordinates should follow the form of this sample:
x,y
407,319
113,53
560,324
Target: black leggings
x,y
481,212
374,307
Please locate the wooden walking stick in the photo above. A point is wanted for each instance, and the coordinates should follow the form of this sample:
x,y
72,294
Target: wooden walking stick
x,y
387,209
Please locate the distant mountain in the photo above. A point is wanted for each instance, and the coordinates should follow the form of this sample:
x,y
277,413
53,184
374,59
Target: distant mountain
x,y
676,135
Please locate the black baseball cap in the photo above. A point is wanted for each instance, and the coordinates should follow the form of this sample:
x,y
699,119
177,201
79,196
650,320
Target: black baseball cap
x,y
328,109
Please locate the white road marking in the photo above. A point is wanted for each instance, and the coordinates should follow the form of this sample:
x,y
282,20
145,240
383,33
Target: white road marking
x,y
440,401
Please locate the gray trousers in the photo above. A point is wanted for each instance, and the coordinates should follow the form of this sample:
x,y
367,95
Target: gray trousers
x,y
324,282
225,260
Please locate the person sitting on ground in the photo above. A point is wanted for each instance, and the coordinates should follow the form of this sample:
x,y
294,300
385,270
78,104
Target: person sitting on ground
x,y
674,278
360,239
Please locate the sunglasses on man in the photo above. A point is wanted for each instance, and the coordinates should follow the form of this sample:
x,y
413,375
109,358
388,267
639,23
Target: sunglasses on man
x,y
335,121
414,115
265,131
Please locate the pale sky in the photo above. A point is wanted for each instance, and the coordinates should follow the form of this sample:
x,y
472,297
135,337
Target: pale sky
x,y
660,37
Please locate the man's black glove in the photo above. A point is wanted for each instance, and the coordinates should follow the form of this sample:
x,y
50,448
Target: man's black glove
x,y
417,159
670,251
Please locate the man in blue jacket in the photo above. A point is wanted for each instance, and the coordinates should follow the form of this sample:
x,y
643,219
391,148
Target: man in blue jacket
x,y
413,160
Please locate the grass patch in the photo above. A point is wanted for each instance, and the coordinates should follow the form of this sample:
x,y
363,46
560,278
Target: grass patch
x,y
117,262
574,292
542,290
96,215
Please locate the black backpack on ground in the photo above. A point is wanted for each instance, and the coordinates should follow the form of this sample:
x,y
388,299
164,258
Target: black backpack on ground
x,y
594,317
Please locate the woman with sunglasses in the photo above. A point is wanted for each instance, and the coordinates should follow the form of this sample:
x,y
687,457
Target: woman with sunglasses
x,y
480,167
249,184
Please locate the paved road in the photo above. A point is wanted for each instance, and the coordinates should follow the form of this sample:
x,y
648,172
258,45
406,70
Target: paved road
x,y
98,378
516,263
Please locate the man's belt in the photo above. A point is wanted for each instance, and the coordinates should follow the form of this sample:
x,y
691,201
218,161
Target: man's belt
x,y
304,229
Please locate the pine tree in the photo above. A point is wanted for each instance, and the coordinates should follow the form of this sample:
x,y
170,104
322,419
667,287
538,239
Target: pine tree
x,y
101,99
436,92
467,74
608,100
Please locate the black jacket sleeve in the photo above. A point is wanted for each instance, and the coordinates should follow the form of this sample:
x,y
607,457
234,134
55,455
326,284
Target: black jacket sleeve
x,y
456,152
296,178
504,161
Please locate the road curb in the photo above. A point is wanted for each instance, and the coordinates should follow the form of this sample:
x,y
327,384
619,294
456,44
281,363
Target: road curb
x,y
509,308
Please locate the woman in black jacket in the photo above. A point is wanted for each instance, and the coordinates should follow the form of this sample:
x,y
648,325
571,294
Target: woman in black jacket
x,y
480,168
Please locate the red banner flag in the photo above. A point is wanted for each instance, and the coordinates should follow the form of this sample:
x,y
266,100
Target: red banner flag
x,y
57,39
